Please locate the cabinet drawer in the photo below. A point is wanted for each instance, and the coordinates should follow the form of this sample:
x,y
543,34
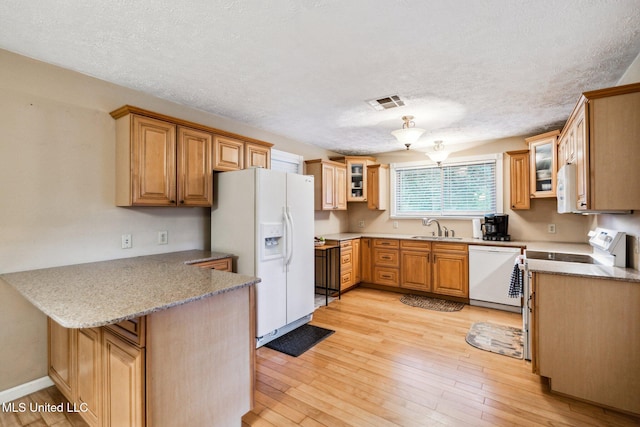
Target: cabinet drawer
x,y
223,264
346,259
386,257
346,244
132,330
386,243
415,245
386,276
450,247
346,279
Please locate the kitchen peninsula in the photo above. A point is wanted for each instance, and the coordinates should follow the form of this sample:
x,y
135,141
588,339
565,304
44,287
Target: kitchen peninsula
x,y
149,340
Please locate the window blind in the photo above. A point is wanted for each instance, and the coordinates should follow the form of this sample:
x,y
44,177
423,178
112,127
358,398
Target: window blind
x,y
462,189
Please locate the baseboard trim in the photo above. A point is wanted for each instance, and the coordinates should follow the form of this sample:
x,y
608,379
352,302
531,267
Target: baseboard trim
x,y
25,389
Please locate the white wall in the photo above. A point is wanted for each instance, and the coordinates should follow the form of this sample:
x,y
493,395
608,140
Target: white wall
x,y
57,186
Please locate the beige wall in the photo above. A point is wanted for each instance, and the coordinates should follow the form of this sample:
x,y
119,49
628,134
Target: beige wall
x,y
57,169
524,225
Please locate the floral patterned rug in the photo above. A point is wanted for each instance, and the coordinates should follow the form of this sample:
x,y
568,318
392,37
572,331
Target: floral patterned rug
x,y
499,339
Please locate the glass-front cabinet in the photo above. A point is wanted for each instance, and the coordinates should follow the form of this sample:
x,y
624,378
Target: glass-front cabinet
x,y
356,176
543,164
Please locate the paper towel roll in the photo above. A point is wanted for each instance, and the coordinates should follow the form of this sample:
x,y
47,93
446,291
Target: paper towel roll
x,y
477,230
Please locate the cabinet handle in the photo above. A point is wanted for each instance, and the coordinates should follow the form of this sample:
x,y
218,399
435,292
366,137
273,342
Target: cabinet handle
x,y
386,276
428,258
182,202
386,257
434,258
172,201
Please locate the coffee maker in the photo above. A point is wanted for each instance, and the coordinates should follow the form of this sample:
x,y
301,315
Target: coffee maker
x,y
496,227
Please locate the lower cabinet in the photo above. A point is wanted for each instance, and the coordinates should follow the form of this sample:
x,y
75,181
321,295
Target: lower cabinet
x,y
105,381
349,263
89,374
451,269
123,382
415,265
386,262
192,364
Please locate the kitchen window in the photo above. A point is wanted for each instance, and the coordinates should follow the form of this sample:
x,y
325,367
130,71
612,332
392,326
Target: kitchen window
x,y
461,188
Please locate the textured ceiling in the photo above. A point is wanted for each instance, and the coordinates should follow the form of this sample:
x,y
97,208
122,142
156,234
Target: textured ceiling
x,y
469,70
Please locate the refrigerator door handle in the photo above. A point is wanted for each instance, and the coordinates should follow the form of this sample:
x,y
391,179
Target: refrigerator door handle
x,y
290,231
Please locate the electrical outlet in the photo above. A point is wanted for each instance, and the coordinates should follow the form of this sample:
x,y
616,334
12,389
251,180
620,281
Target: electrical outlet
x,y
127,243
361,223
551,228
395,224
163,238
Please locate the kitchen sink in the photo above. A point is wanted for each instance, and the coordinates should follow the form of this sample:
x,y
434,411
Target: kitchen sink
x,y
436,238
559,256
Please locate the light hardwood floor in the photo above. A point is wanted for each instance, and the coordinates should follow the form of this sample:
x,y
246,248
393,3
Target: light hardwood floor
x,y
31,418
389,364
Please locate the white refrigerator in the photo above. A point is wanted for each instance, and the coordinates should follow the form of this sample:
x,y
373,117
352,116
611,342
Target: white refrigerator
x,y
265,218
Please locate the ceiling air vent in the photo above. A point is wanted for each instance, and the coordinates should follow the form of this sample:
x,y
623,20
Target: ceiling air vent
x,y
386,102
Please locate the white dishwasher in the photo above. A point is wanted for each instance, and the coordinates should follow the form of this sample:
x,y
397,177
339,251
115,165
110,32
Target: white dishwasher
x,y
490,269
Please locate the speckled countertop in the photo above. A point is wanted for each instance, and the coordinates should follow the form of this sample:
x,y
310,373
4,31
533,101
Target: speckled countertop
x,y
101,293
540,266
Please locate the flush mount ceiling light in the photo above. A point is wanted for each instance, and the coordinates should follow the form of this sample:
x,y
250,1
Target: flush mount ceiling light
x,y
439,154
409,133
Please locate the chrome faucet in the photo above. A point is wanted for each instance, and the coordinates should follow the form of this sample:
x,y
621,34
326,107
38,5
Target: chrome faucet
x,y
429,221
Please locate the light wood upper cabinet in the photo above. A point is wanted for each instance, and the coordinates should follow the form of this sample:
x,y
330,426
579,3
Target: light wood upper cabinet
x,y
257,156
165,161
604,130
228,154
520,182
329,184
356,180
543,164
145,162
194,169
378,187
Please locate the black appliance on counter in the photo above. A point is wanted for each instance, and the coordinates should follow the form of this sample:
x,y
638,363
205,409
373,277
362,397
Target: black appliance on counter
x,y
496,227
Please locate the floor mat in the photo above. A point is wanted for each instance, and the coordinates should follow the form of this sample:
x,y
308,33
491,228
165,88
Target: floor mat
x,y
499,339
431,303
299,340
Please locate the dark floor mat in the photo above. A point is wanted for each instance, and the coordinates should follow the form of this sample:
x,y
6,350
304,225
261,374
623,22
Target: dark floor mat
x,y
299,340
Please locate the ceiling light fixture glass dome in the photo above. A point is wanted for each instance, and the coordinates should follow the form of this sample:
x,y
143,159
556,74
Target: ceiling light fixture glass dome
x,y
439,154
409,133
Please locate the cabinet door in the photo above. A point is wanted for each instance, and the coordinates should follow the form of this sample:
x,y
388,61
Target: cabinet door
x,y
373,182
123,383
543,164
451,274
228,154
257,156
582,159
519,175
328,187
194,167
89,366
153,162
357,274
415,267
61,344
366,260
356,180
340,188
